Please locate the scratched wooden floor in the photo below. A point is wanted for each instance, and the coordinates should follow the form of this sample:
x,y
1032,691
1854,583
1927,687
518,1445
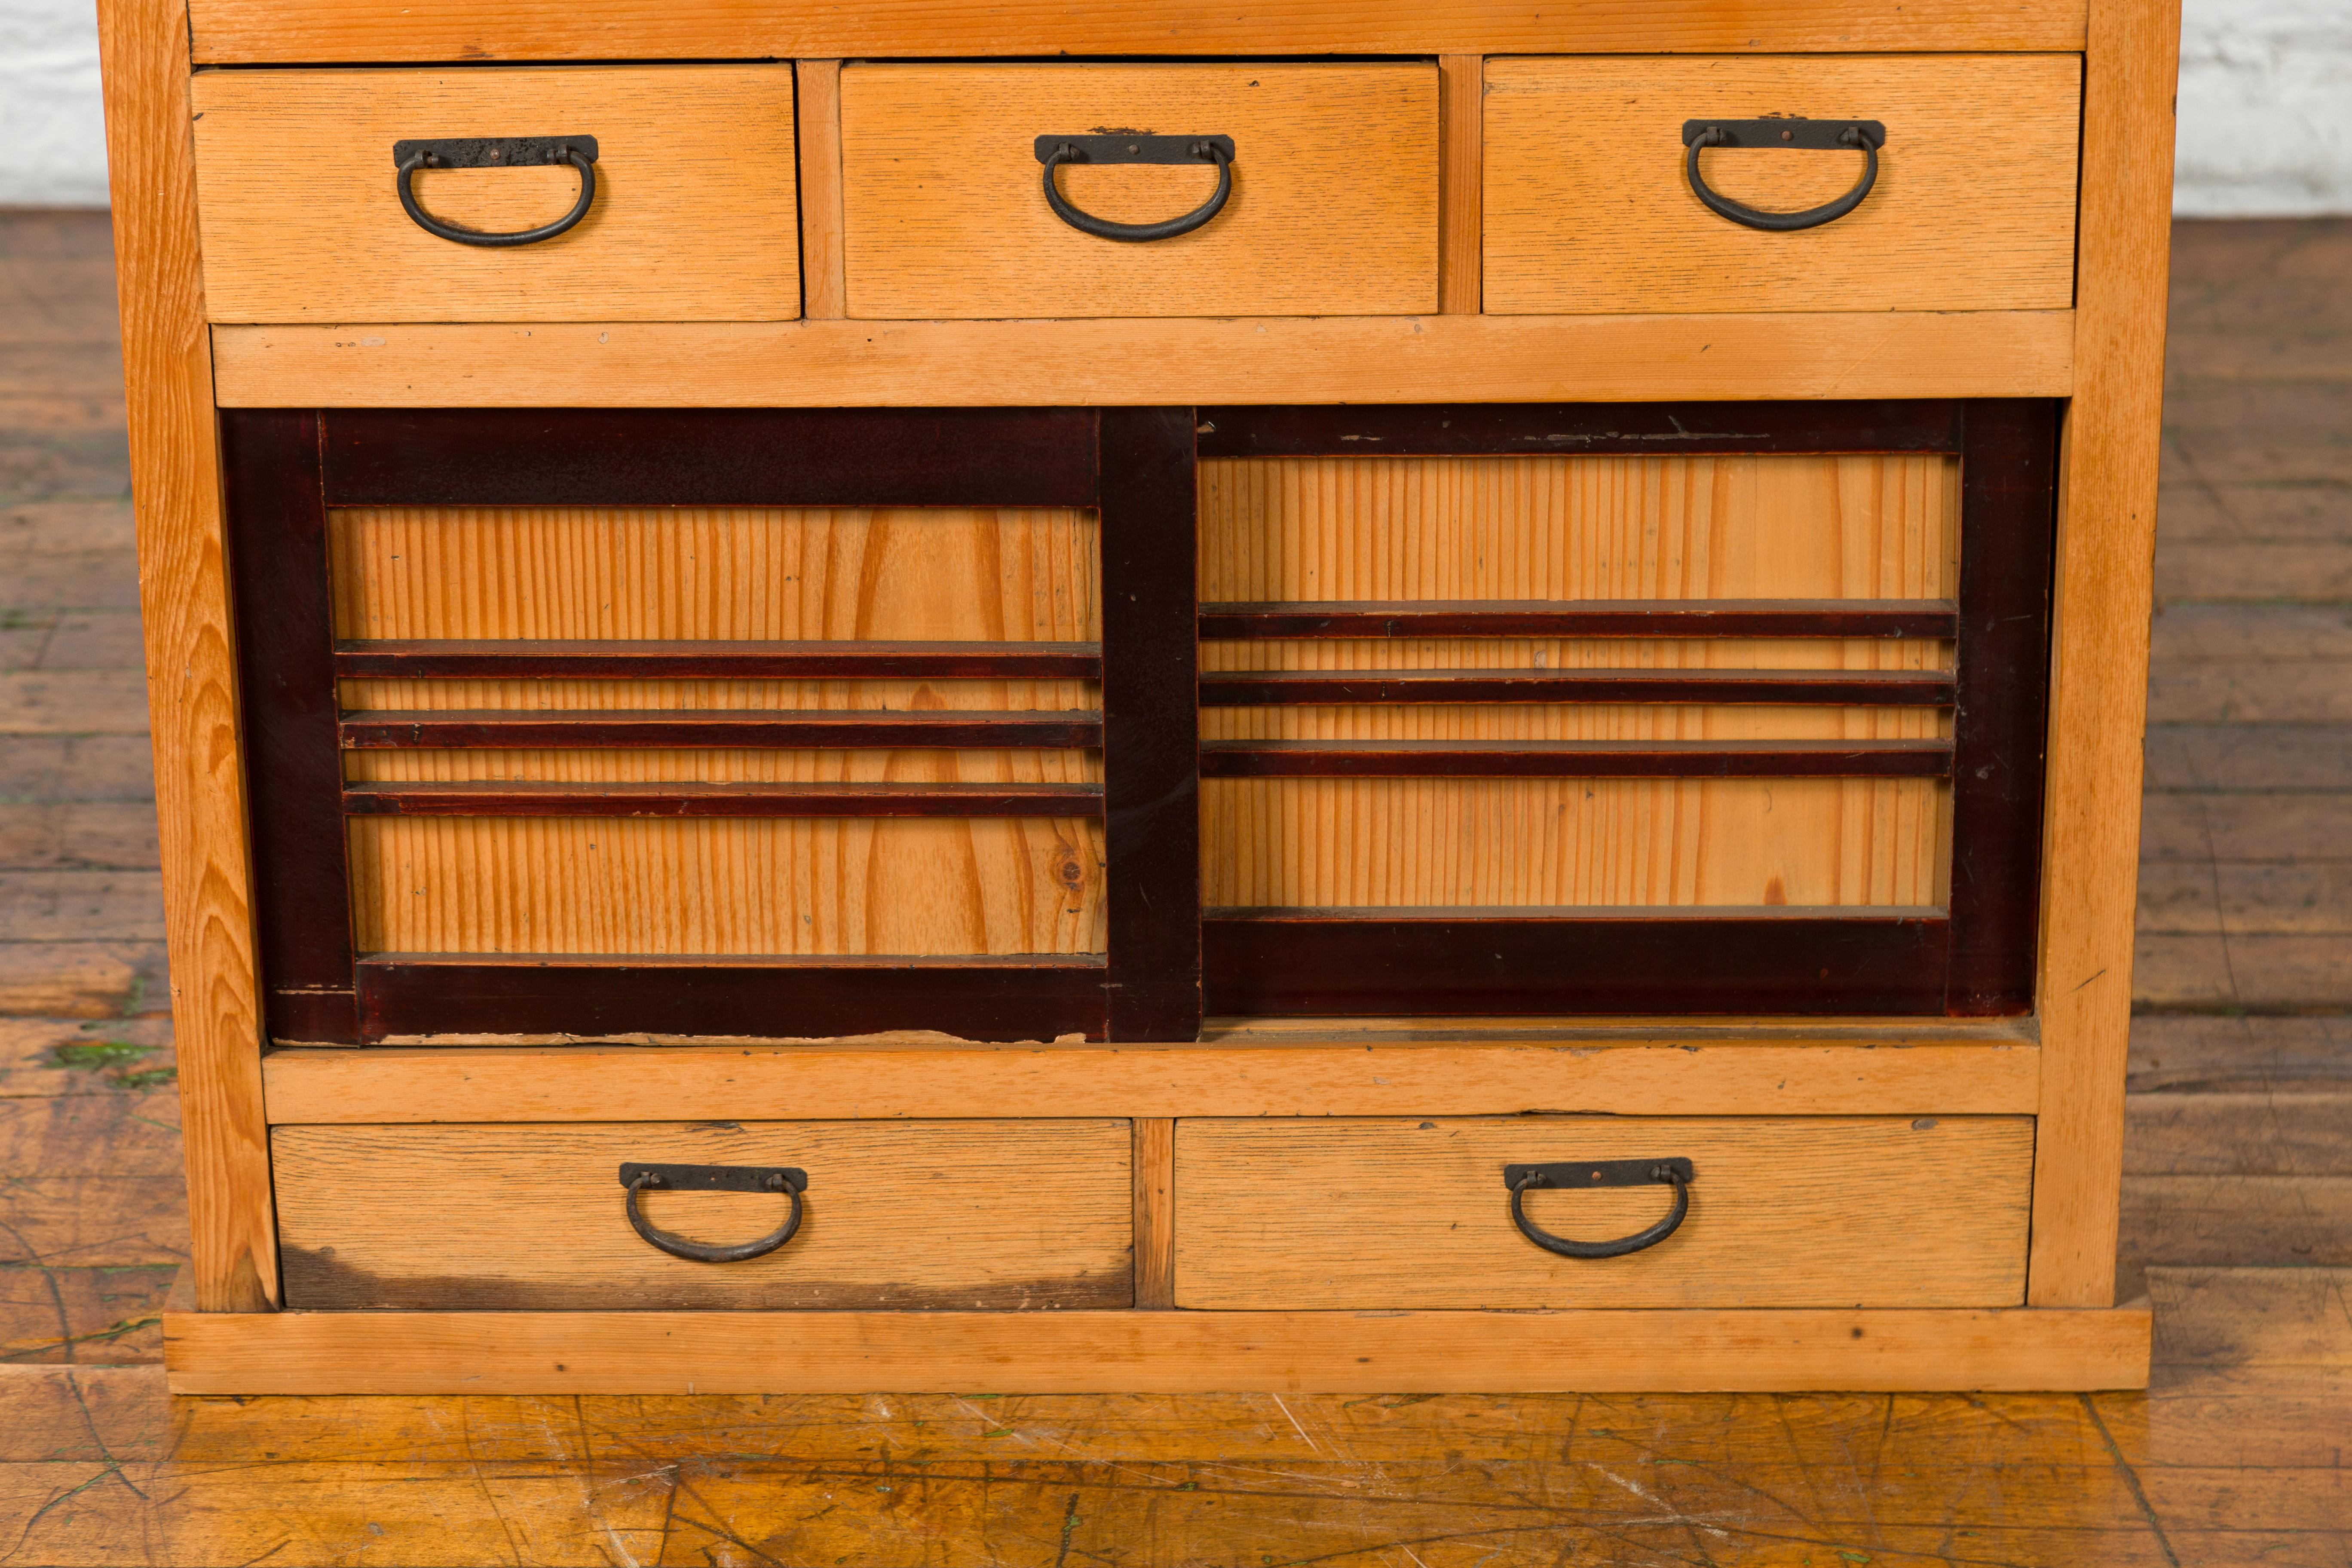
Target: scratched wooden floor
x,y
2239,1202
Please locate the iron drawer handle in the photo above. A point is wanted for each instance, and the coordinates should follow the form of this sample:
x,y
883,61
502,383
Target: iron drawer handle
x,y
1054,150
637,1178
1819,135
496,152
1600,1173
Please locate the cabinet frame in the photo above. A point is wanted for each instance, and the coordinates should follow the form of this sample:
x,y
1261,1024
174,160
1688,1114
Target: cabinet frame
x,y
1974,959
2105,355
285,469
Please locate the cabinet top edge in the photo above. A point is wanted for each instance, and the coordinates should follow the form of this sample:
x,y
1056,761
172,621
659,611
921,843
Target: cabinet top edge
x,y
268,32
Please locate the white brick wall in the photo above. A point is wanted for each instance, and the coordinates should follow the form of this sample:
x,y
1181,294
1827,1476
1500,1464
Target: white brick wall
x,y
2265,107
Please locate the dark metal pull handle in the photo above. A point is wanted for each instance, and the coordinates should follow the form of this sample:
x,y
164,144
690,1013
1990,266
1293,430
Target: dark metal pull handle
x,y
1819,135
496,152
1054,150
638,1178
1600,1173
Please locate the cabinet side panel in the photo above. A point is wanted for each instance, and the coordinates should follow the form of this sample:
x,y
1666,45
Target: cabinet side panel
x,y
191,671
2104,587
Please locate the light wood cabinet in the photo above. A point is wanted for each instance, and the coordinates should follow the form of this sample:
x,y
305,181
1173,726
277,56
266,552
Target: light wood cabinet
x,y
1240,692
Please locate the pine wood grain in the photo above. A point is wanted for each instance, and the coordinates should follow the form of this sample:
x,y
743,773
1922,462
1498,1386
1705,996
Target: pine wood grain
x,y
1333,210
1579,527
1155,1213
1338,1212
1575,842
722,766
754,575
694,216
2099,657
1588,208
942,1215
1218,655
1158,1353
635,885
835,365
1907,1066
251,31
1564,528
816,88
192,682
1462,91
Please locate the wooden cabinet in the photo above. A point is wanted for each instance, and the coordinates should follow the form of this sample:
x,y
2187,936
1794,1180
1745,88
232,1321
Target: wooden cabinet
x,y
1062,700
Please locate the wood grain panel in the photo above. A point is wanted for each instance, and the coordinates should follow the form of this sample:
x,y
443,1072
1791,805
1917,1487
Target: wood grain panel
x,y
956,1214
1558,528
720,764
1264,359
260,31
1460,843
1805,1212
1579,527
865,885
1333,210
1568,721
1155,1213
2099,660
694,216
1462,90
1588,208
1261,1066
816,87
191,683
947,574
1130,1353
1575,653
804,696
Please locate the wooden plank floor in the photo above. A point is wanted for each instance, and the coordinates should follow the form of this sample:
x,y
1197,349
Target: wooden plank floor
x,y
2239,1207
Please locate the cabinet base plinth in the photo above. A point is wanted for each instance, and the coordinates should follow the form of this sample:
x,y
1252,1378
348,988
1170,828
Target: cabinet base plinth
x,y
1743,1350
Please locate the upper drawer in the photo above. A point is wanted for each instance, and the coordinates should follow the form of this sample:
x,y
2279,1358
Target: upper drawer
x,y
694,216
1589,208
1332,208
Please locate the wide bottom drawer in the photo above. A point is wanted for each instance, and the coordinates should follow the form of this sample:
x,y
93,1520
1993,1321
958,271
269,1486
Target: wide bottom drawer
x,y
1343,1212
911,1215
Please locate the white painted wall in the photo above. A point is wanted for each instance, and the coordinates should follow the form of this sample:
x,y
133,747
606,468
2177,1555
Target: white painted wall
x,y
52,142
2265,107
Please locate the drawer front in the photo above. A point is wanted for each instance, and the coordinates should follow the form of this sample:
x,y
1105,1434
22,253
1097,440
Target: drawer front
x,y
1333,207
694,216
1783,1212
1588,208
1007,1215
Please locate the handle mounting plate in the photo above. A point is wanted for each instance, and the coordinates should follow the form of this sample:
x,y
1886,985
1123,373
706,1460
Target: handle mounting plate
x,y
1570,1174
716,1178
1806,135
1133,147
495,151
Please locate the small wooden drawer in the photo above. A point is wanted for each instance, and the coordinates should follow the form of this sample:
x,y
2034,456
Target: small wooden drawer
x,y
1589,208
1008,1216
1332,208
1350,1212
694,216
